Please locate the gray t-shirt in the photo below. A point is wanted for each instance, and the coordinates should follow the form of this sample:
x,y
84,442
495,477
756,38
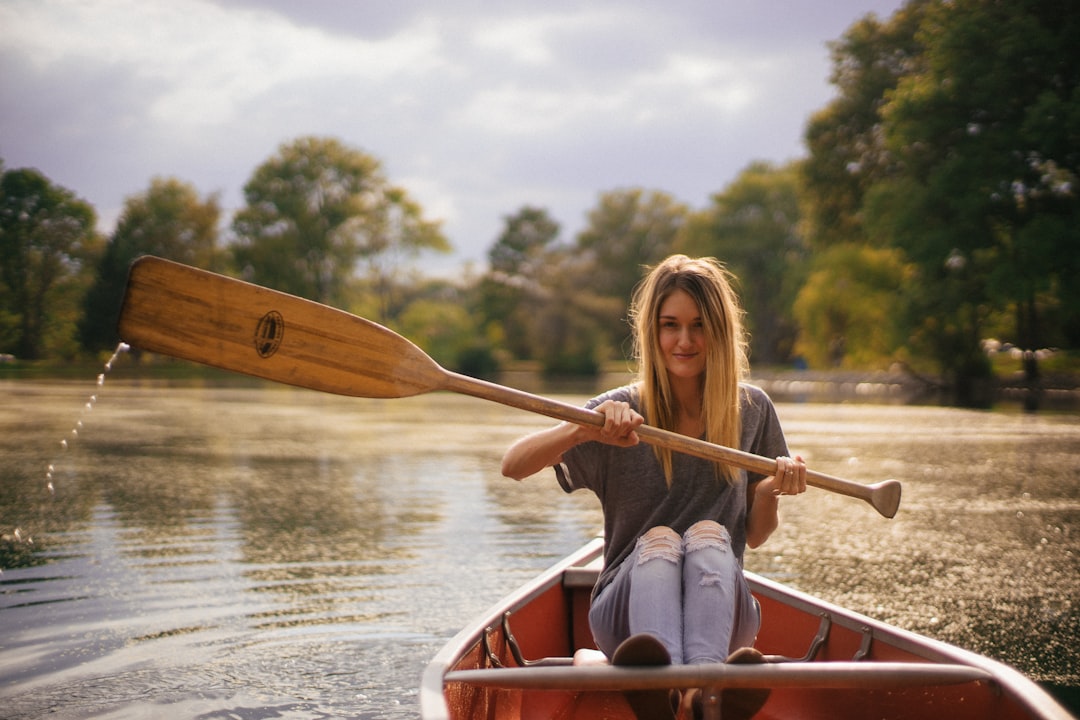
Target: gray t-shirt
x,y
633,492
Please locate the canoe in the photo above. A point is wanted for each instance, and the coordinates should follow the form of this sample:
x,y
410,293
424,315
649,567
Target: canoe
x,y
515,662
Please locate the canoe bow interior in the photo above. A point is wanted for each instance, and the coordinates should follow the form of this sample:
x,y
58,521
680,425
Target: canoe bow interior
x,y
828,662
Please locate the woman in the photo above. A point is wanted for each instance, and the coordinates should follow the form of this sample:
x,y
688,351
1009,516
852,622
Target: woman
x,y
675,526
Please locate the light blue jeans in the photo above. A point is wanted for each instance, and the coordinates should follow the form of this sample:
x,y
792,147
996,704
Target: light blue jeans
x,y
689,592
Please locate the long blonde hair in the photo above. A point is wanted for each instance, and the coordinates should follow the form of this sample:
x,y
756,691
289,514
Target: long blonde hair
x,y
709,283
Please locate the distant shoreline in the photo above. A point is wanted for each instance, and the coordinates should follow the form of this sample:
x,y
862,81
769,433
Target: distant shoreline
x,y
1056,392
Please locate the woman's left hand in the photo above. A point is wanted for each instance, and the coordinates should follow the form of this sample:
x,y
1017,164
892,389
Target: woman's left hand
x,y
790,478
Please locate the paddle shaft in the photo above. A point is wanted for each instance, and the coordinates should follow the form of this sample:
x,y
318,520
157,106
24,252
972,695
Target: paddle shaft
x,y
227,323
883,496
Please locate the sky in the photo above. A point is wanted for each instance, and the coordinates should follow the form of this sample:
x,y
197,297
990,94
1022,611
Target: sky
x,y
476,108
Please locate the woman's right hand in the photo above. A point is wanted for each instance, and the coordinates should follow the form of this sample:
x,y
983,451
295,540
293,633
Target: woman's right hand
x,y
620,423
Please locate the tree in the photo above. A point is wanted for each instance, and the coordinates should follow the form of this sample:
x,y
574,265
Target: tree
x,y
846,310
628,230
168,220
988,133
395,233
572,330
519,250
314,211
846,139
449,334
753,227
47,239
510,294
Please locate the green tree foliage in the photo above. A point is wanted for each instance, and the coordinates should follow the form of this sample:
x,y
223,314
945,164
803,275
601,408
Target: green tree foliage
x,y
846,139
628,231
168,220
395,233
317,209
444,329
511,293
47,240
988,133
753,227
571,330
955,139
846,309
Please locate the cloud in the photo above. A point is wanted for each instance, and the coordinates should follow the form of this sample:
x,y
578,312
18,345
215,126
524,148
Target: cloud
x,y
475,108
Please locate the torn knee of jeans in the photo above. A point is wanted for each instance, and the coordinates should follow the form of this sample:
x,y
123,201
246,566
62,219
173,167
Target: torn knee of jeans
x,y
659,543
707,534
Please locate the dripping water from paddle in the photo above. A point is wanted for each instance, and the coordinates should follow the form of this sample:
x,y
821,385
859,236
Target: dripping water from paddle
x,y
88,406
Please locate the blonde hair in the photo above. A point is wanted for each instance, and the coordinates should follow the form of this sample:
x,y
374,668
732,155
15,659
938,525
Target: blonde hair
x,y
709,283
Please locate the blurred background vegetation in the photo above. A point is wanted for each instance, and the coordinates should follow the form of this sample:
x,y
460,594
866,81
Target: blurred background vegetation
x,y
933,227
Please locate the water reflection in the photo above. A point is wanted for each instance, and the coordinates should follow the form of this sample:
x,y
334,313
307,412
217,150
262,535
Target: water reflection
x,y
257,552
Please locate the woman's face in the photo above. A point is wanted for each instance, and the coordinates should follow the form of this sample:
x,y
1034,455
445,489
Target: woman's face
x,y
682,336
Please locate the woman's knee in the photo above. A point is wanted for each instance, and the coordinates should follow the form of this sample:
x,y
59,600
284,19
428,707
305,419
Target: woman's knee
x,y
660,543
708,559
707,534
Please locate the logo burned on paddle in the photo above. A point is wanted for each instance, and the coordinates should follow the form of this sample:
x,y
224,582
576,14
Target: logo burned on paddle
x,y
268,333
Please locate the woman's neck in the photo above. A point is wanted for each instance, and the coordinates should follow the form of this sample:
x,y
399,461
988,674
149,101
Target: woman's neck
x,y
688,397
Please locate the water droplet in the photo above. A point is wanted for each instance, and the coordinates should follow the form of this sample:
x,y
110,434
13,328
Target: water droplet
x,y
121,348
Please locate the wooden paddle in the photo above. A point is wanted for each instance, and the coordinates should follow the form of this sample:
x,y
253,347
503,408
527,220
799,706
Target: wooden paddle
x,y
197,315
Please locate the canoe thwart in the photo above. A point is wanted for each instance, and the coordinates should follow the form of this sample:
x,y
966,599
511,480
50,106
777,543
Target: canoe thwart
x,y
832,675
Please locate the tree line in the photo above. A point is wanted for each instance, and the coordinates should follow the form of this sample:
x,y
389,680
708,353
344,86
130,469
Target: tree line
x,y
937,207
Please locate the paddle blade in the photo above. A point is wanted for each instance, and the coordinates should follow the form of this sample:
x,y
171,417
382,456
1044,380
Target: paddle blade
x,y
208,318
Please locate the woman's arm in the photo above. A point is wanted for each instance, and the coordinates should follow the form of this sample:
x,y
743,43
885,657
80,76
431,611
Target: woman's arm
x,y
763,500
545,448
542,449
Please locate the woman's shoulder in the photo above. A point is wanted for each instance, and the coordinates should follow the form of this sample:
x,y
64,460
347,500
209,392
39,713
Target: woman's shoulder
x,y
753,395
755,405
625,393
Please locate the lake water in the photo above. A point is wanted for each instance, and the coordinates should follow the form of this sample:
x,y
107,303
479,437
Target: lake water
x,y
253,551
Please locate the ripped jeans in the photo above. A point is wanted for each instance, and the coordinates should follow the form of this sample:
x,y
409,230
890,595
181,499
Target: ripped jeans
x,y
689,592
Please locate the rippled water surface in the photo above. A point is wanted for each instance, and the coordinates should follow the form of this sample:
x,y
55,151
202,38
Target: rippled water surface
x,y
257,552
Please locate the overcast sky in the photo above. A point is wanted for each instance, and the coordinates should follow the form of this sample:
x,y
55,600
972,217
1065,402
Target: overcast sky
x,y
476,108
